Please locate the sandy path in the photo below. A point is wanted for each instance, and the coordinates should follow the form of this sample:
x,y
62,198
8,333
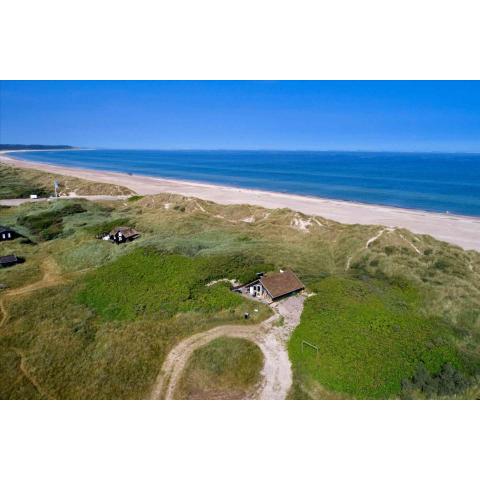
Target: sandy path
x,y
271,336
459,230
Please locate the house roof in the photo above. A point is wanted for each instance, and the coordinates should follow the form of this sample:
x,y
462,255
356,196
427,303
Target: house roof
x,y
281,283
8,259
5,229
125,231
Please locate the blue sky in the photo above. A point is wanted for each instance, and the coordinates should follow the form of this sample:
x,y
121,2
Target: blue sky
x,y
323,115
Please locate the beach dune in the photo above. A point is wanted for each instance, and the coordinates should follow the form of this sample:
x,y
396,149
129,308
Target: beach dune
x,y
456,229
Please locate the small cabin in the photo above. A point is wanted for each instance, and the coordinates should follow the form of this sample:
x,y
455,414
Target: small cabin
x,y
9,260
123,234
274,286
6,233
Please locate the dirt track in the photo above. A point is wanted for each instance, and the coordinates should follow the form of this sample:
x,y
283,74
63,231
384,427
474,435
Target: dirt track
x,y
271,336
51,277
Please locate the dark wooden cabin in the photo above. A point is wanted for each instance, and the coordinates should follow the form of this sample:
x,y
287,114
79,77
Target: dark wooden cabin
x,y
9,260
6,233
123,234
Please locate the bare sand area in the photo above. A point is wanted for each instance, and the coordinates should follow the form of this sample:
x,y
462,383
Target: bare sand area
x,y
456,229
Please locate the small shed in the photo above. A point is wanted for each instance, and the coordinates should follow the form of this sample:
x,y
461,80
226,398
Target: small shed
x,y
6,233
274,286
123,234
9,260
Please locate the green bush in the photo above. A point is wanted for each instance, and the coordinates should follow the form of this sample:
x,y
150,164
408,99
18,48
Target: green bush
x,y
370,336
160,285
105,227
48,224
447,382
134,198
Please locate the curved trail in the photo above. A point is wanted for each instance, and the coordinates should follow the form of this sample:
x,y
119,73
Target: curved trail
x,y
29,377
51,277
271,336
369,242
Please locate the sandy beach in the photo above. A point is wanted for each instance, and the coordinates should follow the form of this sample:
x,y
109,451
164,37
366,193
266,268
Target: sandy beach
x,y
459,230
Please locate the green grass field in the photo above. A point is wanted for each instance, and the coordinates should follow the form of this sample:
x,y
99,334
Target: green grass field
x,y
226,368
370,335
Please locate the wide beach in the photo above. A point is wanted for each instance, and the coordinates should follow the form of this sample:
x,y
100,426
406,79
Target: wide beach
x,y
459,230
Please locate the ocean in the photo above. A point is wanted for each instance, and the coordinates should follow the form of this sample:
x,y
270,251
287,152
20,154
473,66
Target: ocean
x,y
440,182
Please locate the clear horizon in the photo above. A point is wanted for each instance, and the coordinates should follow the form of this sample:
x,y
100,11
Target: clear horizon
x,y
357,116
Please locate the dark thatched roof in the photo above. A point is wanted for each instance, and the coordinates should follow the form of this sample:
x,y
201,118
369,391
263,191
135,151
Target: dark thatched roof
x,y
7,259
281,283
6,229
127,232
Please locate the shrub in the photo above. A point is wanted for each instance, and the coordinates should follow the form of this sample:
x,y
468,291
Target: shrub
x,y
447,382
441,264
134,198
105,227
370,335
161,285
48,224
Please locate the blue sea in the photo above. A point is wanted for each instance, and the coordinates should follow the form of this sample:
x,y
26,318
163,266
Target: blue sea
x,y
438,182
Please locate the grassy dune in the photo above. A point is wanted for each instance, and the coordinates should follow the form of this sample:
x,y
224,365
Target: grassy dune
x,y
226,368
104,332
21,183
370,336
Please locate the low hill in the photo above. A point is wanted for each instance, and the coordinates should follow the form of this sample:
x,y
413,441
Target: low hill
x,y
23,182
393,314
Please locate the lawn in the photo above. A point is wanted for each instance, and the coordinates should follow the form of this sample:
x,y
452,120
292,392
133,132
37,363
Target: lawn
x,y
226,368
370,336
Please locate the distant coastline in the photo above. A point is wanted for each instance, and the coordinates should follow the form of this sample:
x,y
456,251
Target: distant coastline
x,y
461,230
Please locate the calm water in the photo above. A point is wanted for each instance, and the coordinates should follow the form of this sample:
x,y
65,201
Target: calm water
x,y
437,182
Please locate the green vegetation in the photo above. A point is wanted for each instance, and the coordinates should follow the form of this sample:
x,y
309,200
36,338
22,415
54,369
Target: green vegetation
x,y
226,368
380,311
106,334
48,224
15,185
447,382
108,226
370,336
134,198
159,286
21,183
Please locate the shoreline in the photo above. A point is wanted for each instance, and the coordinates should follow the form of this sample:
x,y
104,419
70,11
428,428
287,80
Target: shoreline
x,y
460,230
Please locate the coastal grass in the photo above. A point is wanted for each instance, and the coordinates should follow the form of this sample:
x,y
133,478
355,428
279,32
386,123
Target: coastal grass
x,y
105,333
160,286
16,184
370,336
23,182
226,368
